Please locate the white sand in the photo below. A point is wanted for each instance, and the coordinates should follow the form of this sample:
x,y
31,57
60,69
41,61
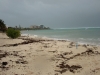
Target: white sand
x,y
42,58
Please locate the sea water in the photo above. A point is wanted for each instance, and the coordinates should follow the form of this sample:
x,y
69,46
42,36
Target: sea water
x,y
80,35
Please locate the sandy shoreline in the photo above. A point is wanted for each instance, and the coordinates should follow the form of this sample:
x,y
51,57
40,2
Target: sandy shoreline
x,y
36,56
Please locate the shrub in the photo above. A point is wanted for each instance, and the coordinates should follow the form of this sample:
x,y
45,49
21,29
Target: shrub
x,y
2,26
12,33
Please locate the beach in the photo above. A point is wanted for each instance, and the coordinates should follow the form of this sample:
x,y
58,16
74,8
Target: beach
x,y
41,56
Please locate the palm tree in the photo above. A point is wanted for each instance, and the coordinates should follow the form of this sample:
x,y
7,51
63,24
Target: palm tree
x,y
2,26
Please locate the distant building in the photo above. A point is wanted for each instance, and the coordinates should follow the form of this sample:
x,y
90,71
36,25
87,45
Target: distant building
x,y
31,26
38,27
42,26
34,26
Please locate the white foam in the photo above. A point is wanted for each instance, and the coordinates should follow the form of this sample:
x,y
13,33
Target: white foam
x,y
80,40
77,28
24,34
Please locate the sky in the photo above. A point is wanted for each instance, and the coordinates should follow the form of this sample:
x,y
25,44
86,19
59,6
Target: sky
x,y
51,13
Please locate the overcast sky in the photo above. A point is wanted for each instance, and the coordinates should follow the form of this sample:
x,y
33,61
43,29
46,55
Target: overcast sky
x,y
52,13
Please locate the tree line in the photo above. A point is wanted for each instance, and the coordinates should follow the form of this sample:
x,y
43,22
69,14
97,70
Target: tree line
x,y
3,27
10,32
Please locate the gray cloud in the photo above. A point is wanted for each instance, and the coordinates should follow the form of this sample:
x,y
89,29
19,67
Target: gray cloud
x,y
52,13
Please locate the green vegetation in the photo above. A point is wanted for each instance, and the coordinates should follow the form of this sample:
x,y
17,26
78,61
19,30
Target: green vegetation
x,y
12,33
2,26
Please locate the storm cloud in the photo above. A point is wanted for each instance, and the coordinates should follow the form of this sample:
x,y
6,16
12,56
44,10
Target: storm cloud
x,y
52,13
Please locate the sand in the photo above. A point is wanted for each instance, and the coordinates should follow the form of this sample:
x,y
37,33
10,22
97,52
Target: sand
x,y
32,56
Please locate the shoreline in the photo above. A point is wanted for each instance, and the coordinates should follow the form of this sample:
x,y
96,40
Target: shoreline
x,y
54,39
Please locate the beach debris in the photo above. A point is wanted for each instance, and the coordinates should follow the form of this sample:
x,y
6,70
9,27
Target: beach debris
x,y
55,51
39,50
4,63
3,54
15,53
12,53
90,51
16,74
37,39
67,53
21,61
15,44
22,56
97,69
25,42
94,47
56,74
87,52
88,45
3,66
71,44
62,40
65,67
45,46
84,46
63,55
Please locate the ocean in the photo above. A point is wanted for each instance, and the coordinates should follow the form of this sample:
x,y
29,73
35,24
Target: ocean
x,y
80,35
